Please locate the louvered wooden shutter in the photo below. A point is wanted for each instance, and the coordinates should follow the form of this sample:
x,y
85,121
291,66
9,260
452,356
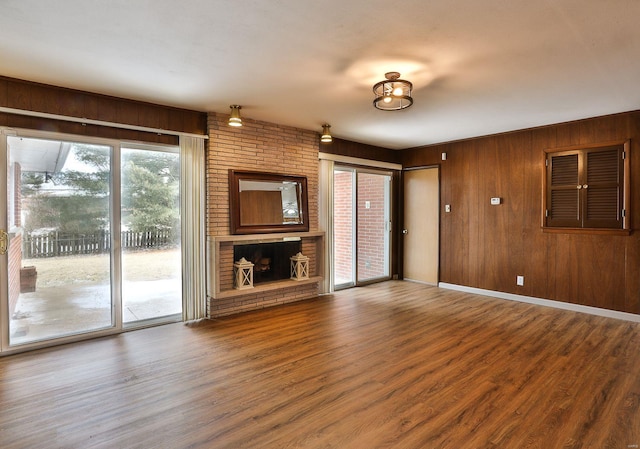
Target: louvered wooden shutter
x,y
602,196
563,196
585,188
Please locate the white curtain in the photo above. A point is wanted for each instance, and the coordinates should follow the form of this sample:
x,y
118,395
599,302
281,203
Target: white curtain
x,y
192,212
326,220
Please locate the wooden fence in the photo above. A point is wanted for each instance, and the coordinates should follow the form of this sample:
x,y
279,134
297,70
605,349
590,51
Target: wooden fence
x,y
56,244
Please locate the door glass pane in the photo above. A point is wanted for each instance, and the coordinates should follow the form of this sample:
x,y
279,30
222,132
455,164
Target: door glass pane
x,y
343,256
59,263
373,226
150,229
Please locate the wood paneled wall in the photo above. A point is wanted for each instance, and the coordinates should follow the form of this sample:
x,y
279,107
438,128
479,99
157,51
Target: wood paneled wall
x,y
29,96
485,246
361,150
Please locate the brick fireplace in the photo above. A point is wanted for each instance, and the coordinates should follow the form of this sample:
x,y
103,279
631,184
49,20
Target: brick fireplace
x,y
271,261
265,147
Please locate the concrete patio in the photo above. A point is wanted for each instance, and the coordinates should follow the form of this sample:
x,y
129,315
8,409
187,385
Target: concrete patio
x,y
81,302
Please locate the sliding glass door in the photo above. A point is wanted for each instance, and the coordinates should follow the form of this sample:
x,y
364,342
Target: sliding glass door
x,y
92,237
150,235
59,262
373,227
361,226
344,269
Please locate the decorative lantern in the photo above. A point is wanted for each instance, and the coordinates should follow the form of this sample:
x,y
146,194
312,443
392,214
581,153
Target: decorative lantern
x,y
299,267
242,274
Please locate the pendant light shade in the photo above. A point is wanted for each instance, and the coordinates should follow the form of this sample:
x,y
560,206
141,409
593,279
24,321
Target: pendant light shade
x,y
392,94
326,134
234,118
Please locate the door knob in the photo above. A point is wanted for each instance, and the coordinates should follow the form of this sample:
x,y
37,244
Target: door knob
x,y
405,231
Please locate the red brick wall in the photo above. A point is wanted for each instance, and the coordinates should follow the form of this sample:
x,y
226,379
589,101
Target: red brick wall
x,y
343,226
15,262
266,147
257,146
15,247
17,205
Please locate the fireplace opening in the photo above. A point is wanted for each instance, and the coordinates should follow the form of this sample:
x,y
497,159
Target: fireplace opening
x,y
271,261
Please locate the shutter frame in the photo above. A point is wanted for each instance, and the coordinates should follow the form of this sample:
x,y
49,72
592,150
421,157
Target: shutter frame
x,y
596,196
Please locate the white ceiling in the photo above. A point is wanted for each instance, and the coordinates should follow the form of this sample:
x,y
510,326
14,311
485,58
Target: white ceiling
x,y
478,66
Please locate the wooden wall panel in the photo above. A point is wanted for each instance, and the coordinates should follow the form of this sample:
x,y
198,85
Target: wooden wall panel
x,y
632,251
514,210
360,150
3,91
492,259
107,109
450,244
603,286
446,236
563,260
486,246
464,239
424,157
25,95
632,280
19,96
536,250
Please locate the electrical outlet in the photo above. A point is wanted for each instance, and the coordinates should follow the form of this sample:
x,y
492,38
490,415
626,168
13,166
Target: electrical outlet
x,y
520,280
447,207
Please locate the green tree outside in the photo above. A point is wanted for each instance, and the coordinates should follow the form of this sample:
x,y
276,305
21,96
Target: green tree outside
x,y
78,202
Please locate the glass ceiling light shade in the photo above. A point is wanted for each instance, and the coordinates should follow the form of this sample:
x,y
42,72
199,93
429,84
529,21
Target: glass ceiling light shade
x,y
234,118
326,134
392,94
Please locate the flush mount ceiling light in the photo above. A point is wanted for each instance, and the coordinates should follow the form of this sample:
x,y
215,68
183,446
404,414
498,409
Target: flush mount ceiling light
x,y
392,94
234,118
326,134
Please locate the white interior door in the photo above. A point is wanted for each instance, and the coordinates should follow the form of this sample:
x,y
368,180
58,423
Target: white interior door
x,y
421,225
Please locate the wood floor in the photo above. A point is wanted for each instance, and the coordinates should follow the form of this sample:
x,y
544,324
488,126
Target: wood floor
x,y
392,365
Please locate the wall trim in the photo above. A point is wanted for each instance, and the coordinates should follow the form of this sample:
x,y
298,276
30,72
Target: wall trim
x,y
358,161
544,302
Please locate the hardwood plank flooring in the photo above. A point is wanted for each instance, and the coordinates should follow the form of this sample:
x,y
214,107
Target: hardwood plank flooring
x,y
392,365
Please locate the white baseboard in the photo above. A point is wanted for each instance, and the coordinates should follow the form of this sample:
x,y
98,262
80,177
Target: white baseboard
x,y
545,302
420,282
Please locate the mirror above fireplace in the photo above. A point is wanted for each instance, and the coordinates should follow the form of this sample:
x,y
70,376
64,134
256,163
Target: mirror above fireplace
x,y
267,202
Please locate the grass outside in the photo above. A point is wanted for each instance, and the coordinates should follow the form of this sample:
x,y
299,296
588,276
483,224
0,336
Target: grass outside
x,y
147,265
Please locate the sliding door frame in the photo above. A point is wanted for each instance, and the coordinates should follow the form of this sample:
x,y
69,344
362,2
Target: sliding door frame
x,y
117,325
356,170
354,230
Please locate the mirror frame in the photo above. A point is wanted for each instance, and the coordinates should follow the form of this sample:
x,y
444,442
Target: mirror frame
x,y
236,227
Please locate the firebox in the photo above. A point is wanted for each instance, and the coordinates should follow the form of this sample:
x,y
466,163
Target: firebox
x,y
271,261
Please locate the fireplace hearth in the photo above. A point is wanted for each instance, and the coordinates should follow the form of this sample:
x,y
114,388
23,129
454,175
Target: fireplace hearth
x,y
273,254
271,261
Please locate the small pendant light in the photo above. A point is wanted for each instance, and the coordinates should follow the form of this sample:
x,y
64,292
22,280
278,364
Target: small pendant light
x,y
326,134
235,119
